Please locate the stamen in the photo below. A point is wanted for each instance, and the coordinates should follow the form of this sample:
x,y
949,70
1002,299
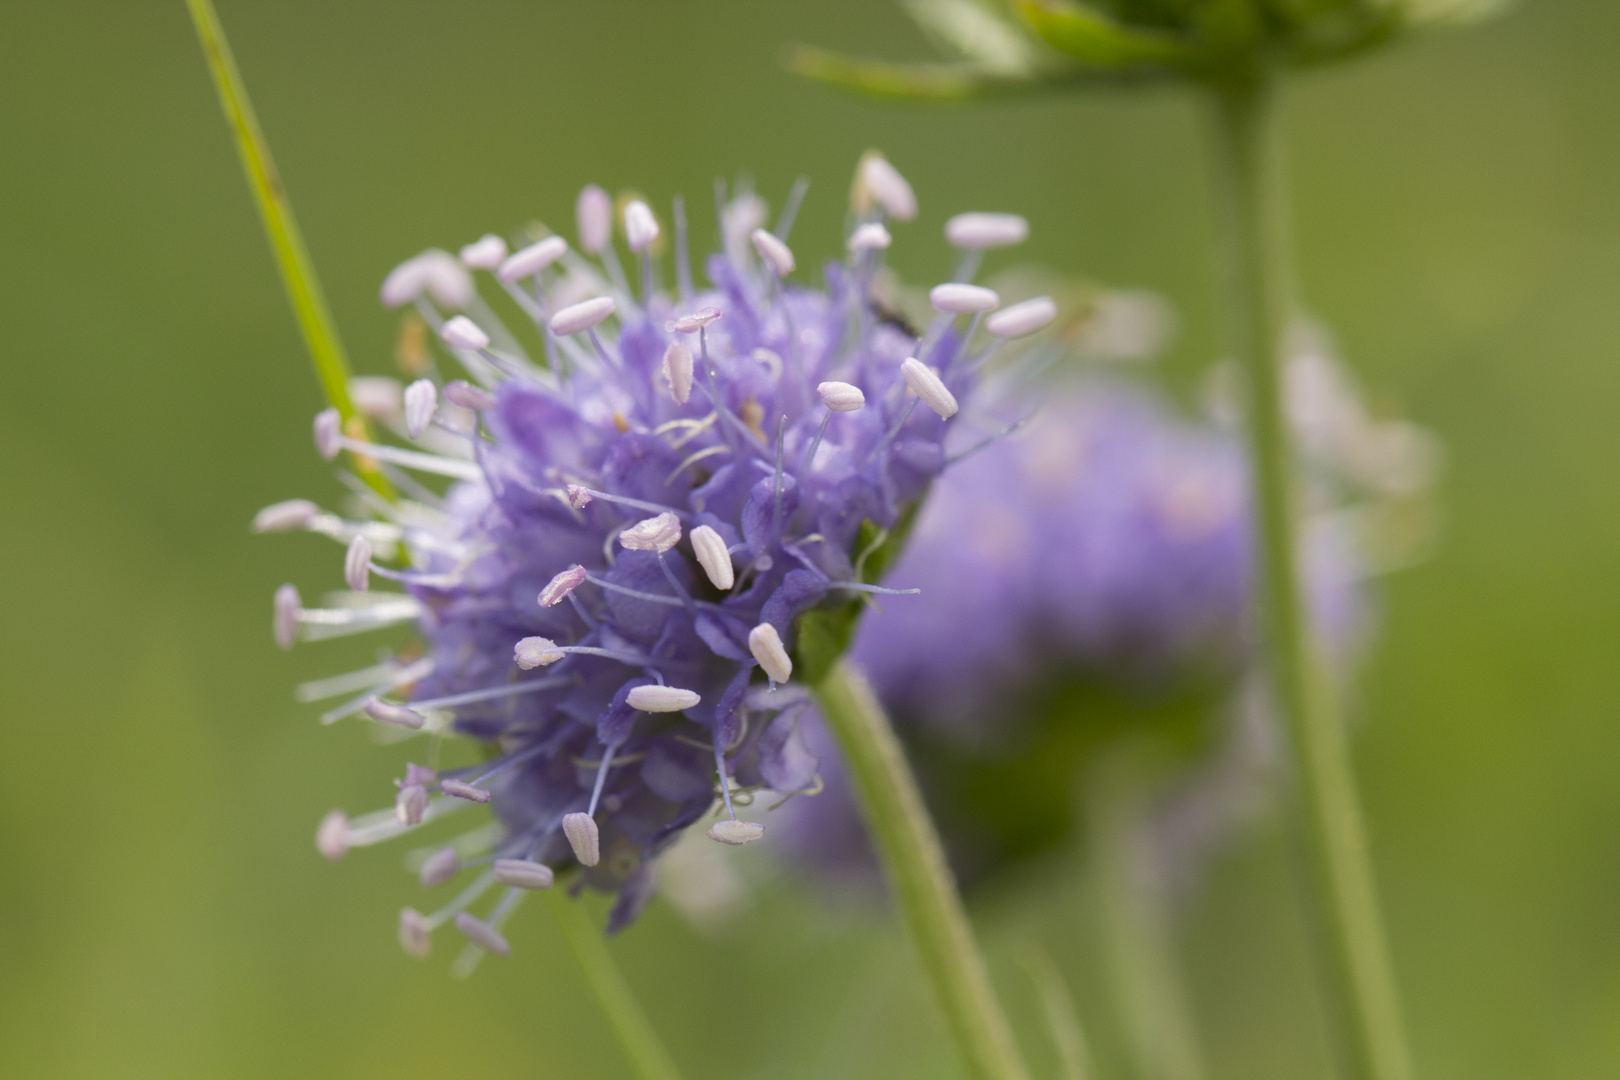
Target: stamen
x,y
773,253
661,699
776,479
593,217
976,447
560,586
958,298
712,555
694,458
410,804
357,564
841,396
766,645
601,778
332,836
871,236
469,697
672,601
485,253
790,208
678,371
328,433
861,586
463,393
928,386
464,791
524,874
583,837
421,402
415,934
384,610
582,316
288,607
285,516
640,226
980,231
691,324
462,333
1016,320
657,534
439,868
887,187
482,934
578,497
532,259
533,652
683,264
393,681
734,832
398,715
456,468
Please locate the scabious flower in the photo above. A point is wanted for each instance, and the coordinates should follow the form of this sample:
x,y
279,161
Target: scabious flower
x,y
1109,544
607,592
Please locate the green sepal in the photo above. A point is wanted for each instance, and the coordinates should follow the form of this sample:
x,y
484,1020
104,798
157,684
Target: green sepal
x,y
824,633
1095,39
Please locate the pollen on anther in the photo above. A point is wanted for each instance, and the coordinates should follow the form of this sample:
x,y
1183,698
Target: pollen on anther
x,y
976,232
285,516
661,699
734,832
523,874
583,837
462,333
398,715
287,605
464,791
565,582
713,556
653,534
841,396
357,564
678,372
533,652
926,384
1016,320
772,252
421,402
640,226
957,299
766,646
582,316
410,804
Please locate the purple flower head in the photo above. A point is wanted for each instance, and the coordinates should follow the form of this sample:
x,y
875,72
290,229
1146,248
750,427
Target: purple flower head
x,y
609,590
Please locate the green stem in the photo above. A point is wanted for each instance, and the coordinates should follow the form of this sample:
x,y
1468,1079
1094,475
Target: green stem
x,y
297,272
636,1035
1135,917
1251,205
1062,1021
917,872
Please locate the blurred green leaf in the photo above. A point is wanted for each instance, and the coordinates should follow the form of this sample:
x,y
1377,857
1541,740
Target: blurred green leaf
x,y
884,78
1094,38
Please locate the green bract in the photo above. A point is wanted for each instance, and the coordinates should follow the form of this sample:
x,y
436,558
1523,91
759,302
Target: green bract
x,y
1020,46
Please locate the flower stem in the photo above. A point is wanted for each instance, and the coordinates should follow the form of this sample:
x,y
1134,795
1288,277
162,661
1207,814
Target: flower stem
x,y
917,872
297,272
636,1035
1252,219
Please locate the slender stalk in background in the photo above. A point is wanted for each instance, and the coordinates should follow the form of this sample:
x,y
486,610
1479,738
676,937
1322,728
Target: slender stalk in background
x,y
1251,205
1137,933
918,875
636,1035
297,272
1062,1022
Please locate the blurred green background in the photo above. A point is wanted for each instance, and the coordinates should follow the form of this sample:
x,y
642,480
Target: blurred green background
x,y
162,910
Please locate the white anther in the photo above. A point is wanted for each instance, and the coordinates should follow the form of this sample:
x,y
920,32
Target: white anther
x,y
890,190
287,606
484,253
415,934
410,803
357,564
463,393
462,333
387,713
712,555
640,227
581,316
523,874
870,237
533,652
464,791
734,832
532,259
328,433
661,699
593,214
332,836
434,272
841,396
285,516
772,252
1016,320
980,231
439,868
766,645
583,837
653,534
926,384
678,372
957,298
691,324
558,588
578,497
421,402
482,934
376,396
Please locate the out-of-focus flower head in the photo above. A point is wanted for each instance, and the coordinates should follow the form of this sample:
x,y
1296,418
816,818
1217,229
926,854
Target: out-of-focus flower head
x,y
610,591
1027,46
